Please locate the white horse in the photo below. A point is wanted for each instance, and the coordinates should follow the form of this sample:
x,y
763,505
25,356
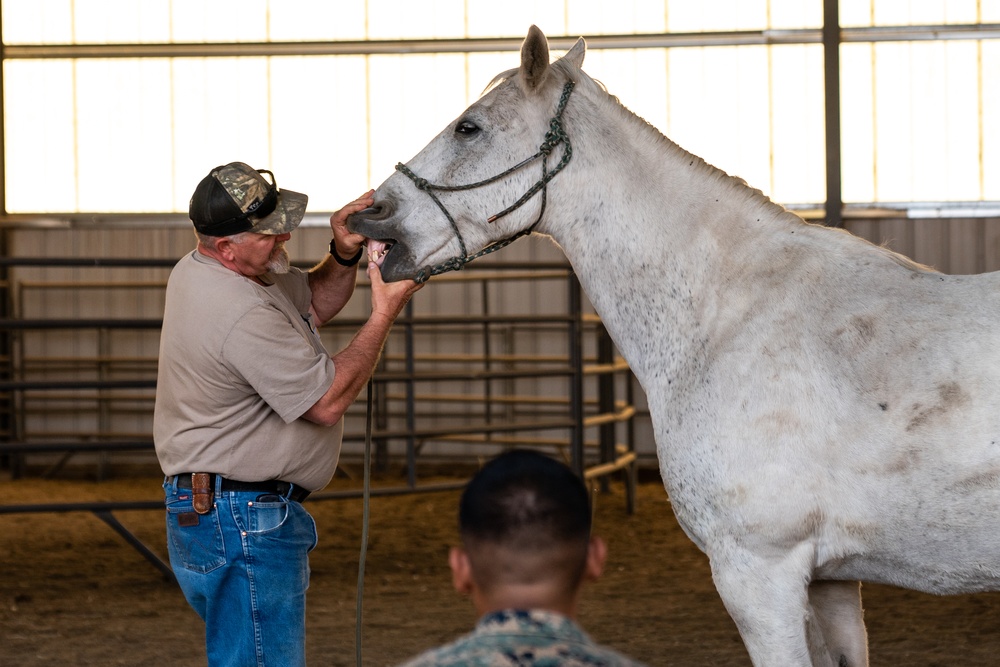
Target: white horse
x,y
826,412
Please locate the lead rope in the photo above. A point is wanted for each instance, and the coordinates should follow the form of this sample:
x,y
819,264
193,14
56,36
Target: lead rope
x,y
364,523
555,136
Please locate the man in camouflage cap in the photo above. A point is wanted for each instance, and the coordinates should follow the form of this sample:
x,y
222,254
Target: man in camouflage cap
x,y
249,407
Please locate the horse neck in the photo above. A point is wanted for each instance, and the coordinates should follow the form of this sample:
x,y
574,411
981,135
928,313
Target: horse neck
x,y
648,230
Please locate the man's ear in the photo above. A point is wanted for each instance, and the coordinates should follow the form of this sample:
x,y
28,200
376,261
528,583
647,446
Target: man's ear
x,y
597,554
224,247
461,570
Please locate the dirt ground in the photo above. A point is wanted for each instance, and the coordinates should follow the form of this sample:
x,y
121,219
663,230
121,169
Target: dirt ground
x,y
73,592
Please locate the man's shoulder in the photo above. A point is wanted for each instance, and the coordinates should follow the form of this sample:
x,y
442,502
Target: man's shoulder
x,y
523,639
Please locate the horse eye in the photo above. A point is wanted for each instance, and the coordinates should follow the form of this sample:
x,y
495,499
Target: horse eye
x,y
466,127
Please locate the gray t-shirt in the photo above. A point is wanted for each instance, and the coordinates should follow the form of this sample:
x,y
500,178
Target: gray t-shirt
x,y
239,365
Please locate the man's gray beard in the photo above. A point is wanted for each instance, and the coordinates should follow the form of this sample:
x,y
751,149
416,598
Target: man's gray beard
x,y
280,262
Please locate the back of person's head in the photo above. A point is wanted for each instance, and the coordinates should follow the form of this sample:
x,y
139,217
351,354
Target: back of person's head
x,y
525,518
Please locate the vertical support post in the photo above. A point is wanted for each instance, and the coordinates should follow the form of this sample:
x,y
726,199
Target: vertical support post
x,y
606,399
632,473
831,85
380,401
484,295
575,342
7,421
3,134
411,401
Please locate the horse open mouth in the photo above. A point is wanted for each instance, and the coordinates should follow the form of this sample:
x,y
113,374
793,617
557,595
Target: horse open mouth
x,y
378,249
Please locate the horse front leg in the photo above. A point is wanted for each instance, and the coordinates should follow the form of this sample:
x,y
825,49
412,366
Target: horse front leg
x,y
837,633
766,595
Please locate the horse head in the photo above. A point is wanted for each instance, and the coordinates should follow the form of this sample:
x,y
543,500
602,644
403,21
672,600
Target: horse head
x,y
483,181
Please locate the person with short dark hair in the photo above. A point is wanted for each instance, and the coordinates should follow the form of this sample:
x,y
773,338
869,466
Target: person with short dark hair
x,y
527,548
249,407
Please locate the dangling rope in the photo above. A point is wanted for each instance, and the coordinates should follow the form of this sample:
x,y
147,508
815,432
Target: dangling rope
x,y
364,523
555,136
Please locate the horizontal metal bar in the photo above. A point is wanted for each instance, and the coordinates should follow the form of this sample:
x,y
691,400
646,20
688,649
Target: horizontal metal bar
x,y
425,433
27,385
95,262
495,44
73,446
158,504
919,33
10,324
83,507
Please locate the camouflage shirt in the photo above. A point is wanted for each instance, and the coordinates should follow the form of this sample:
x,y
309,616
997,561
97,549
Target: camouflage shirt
x,y
523,639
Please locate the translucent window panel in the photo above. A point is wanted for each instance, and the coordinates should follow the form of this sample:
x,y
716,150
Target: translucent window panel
x,y
314,20
746,112
219,21
912,121
121,21
791,14
391,19
266,20
40,141
599,17
797,125
991,130
717,15
165,21
37,21
914,12
88,136
513,17
123,135
857,123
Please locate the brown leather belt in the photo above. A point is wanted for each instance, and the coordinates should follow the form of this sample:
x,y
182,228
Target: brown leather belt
x,y
277,487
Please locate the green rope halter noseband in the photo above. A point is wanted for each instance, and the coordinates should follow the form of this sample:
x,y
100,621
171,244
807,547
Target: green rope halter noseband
x,y
555,136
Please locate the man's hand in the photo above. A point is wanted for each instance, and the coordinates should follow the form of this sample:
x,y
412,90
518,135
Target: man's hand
x,y
347,243
389,299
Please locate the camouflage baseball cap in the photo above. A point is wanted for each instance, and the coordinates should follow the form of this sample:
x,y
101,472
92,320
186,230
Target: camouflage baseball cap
x,y
237,198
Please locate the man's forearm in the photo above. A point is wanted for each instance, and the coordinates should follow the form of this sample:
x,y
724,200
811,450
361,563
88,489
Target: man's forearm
x,y
354,366
332,286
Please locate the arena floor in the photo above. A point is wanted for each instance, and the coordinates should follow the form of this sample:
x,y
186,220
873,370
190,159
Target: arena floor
x,y
72,592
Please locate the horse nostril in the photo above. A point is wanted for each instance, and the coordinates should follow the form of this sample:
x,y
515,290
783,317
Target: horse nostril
x,y
380,210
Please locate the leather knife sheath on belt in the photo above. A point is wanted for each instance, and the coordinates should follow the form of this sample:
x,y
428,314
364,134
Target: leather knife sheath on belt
x,y
201,492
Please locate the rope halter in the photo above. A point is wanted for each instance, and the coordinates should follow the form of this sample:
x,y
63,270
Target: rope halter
x,y
555,136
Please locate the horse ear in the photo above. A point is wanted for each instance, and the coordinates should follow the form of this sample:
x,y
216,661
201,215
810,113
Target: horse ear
x,y
534,58
575,54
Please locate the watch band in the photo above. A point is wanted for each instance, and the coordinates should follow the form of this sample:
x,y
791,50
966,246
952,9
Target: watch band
x,y
345,262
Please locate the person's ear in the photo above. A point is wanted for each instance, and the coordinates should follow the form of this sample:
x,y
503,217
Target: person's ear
x,y
461,570
224,247
597,554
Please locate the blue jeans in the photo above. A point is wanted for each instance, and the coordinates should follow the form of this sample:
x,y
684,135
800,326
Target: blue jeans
x,y
244,567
